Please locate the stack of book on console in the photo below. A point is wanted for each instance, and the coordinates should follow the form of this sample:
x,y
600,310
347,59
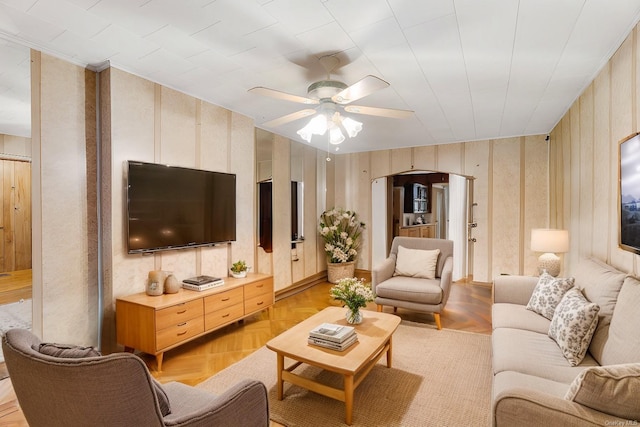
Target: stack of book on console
x,y
335,337
202,283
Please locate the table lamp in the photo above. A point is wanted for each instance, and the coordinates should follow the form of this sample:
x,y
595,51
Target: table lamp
x,y
549,241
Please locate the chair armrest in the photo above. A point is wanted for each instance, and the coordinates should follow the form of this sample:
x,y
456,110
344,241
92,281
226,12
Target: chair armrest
x,y
527,407
445,279
382,272
243,404
513,289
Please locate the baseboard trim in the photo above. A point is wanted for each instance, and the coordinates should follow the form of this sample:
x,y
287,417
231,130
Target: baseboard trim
x,y
311,281
301,285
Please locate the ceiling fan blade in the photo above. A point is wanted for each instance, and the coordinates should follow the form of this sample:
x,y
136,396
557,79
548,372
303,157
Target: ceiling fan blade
x,y
289,118
282,95
382,112
365,86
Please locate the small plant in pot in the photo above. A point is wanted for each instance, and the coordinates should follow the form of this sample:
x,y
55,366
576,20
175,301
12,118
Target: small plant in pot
x,y
239,269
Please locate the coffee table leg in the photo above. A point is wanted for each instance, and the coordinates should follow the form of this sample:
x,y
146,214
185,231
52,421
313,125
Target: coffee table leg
x,y
348,398
389,353
280,369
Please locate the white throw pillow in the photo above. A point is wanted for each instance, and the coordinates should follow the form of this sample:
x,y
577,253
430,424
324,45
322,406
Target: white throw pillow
x,y
548,293
416,262
611,389
573,324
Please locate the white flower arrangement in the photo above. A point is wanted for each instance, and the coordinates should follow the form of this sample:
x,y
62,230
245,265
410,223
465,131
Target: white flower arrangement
x,y
342,234
352,292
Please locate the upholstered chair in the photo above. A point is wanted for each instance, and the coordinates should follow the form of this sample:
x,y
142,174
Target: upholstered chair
x,y
416,276
85,389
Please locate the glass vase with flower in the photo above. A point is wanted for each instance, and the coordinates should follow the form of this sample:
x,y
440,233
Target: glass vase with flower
x,y
355,294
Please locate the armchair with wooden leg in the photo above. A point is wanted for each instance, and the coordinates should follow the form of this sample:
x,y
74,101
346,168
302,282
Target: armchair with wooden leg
x,y
416,276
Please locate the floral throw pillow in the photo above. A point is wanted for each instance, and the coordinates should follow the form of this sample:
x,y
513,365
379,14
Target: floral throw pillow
x,y
548,293
573,324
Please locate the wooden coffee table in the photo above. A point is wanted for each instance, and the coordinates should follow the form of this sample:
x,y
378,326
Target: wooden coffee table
x,y
374,340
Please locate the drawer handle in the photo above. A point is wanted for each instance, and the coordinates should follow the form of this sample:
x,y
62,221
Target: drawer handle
x,y
182,333
182,324
182,312
259,286
261,302
225,299
226,315
182,303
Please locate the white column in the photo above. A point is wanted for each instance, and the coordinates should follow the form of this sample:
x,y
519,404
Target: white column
x,y
458,224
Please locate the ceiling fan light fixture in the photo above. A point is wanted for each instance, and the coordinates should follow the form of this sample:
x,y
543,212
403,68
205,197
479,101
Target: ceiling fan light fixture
x,y
335,136
316,126
353,127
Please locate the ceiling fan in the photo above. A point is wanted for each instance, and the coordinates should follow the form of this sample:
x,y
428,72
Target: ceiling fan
x,y
330,97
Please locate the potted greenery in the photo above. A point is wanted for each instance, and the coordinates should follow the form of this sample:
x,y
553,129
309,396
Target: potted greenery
x,y
341,231
239,269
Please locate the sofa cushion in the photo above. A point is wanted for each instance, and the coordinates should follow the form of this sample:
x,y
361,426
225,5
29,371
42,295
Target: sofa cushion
x,y
548,293
623,341
600,283
66,350
612,389
403,288
573,325
508,380
505,315
416,263
533,354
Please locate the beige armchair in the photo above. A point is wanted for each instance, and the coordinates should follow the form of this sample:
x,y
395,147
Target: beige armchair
x,y
117,390
414,293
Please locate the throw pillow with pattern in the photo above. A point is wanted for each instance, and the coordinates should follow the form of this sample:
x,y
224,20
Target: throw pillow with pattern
x,y
573,324
548,293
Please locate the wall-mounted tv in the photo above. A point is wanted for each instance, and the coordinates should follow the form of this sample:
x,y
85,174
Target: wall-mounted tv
x,y
172,207
629,194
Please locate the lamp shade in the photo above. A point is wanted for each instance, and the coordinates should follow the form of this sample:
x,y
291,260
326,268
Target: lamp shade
x,y
549,240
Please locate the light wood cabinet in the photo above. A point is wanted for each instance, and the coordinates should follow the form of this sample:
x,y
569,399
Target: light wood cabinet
x,y
427,230
155,324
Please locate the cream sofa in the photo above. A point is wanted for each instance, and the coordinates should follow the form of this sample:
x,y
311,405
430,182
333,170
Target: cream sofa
x,y
531,377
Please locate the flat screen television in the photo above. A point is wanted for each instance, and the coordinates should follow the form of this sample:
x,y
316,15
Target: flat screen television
x,y
629,194
171,207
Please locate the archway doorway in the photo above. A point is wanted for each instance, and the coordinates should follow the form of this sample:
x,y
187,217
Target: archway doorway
x,y
449,215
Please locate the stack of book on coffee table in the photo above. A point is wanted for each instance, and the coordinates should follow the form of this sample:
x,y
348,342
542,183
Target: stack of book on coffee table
x,y
335,337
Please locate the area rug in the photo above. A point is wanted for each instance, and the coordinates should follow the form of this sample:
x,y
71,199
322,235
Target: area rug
x,y
15,315
438,378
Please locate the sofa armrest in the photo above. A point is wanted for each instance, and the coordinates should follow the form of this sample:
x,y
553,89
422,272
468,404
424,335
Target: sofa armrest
x,y
513,289
243,404
526,407
383,271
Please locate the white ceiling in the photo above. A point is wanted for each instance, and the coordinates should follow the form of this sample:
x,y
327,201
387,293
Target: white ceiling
x,y
470,69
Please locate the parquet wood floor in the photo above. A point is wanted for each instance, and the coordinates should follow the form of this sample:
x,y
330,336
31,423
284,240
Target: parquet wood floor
x,y
14,286
468,309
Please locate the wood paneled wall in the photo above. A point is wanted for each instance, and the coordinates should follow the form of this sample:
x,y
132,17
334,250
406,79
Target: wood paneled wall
x,y
15,222
510,182
584,160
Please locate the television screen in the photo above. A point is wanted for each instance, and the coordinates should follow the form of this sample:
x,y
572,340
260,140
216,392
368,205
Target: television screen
x,y
629,194
172,207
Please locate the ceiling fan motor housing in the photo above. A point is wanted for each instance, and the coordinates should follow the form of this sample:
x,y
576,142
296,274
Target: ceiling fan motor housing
x,y
325,89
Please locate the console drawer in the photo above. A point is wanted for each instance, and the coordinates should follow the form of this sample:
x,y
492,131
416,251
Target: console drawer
x,y
222,316
223,300
178,313
258,303
252,290
180,332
